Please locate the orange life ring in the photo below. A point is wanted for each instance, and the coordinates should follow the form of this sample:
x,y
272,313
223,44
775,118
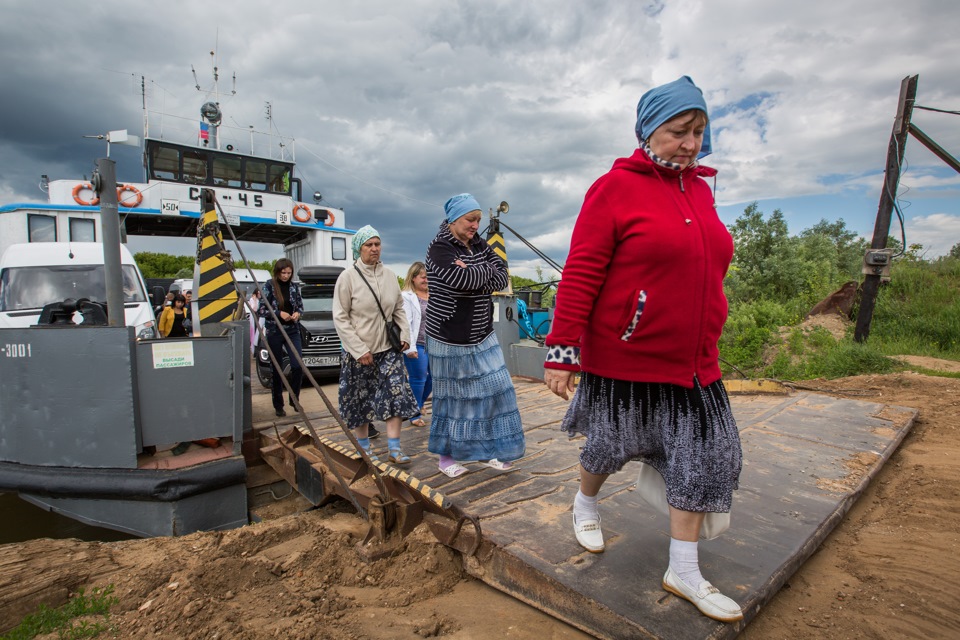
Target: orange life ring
x,y
80,186
307,216
330,219
138,197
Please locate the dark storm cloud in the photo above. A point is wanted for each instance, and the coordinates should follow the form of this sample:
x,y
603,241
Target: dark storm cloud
x,y
397,106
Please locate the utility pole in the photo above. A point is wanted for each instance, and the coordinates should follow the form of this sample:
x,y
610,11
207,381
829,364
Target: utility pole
x,y
877,259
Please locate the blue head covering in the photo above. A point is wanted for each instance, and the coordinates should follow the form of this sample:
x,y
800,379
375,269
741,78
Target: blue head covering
x,y
361,236
666,101
459,206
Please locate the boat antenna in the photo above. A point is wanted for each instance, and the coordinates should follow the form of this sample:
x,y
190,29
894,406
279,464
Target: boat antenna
x,y
268,110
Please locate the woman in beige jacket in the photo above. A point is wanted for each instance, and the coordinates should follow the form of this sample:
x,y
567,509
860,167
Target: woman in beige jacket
x,y
373,379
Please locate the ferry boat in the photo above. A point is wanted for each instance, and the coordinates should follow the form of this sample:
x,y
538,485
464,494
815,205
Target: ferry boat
x,y
90,414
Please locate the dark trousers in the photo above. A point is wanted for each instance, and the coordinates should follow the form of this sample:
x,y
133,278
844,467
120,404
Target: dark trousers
x,y
278,346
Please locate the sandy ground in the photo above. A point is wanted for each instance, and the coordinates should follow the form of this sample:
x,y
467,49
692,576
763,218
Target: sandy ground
x,y
885,572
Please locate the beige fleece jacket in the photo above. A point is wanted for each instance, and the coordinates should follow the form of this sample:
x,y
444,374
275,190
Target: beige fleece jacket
x,y
355,314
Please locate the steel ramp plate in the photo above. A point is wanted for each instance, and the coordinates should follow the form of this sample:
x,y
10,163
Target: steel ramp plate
x,y
807,458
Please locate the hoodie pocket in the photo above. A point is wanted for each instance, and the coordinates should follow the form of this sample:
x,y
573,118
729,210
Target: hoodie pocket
x,y
641,298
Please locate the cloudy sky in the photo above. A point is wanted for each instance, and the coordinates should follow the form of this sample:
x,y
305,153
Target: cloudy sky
x,y
396,106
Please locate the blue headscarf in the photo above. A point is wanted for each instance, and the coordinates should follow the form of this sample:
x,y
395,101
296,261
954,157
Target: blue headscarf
x,y
363,234
459,206
666,101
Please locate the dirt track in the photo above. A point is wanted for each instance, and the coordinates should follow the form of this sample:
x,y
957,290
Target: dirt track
x,y
883,572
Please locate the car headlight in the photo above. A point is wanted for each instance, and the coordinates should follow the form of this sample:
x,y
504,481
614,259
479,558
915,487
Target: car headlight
x,y
147,333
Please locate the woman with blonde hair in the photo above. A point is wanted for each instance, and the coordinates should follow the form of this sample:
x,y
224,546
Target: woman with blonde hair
x,y
415,297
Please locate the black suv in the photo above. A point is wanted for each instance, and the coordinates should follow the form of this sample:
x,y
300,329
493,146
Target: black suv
x,y
321,344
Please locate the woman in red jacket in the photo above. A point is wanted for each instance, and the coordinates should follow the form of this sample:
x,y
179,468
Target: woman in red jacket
x,y
644,334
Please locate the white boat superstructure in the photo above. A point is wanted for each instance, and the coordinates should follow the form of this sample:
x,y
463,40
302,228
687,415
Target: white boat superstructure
x,y
259,193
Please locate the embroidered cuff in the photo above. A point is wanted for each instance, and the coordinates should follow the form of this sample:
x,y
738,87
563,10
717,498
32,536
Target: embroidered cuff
x,y
561,357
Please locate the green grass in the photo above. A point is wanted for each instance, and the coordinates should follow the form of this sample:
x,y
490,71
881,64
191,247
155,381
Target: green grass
x,y
62,619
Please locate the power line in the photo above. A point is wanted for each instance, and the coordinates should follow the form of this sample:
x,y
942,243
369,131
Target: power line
x,y
956,113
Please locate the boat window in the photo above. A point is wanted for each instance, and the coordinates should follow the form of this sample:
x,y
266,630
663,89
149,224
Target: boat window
x,y
226,172
256,175
165,163
195,167
279,178
83,230
35,287
338,248
41,228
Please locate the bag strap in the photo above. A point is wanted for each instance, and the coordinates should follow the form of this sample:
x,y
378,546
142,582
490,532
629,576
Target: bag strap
x,y
371,291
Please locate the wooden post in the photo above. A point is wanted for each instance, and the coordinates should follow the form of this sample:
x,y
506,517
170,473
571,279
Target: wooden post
x,y
898,140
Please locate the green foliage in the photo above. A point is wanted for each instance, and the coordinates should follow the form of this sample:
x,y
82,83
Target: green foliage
x,y
797,270
776,278
46,620
549,291
162,265
918,311
751,328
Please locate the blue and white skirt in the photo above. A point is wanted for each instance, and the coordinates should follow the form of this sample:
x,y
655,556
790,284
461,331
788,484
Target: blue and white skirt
x,y
375,392
475,415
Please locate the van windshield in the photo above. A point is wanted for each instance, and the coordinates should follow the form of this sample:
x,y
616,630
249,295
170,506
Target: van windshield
x,y
35,287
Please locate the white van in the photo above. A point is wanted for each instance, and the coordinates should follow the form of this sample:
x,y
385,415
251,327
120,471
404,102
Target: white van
x,y
242,276
36,274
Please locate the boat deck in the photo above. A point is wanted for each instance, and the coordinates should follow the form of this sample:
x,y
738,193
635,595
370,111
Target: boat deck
x,y
807,458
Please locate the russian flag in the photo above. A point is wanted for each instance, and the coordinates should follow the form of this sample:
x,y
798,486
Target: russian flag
x,y
204,131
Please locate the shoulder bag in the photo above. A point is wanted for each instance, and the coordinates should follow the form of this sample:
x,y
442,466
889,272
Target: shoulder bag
x,y
393,330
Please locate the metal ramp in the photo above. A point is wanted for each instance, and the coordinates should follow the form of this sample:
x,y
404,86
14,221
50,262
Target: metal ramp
x,y
807,458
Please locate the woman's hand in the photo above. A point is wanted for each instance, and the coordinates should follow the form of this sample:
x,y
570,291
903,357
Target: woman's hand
x,y
296,316
366,359
460,263
404,346
559,381
415,354
285,316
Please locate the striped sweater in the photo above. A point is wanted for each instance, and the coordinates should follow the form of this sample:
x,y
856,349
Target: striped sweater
x,y
460,309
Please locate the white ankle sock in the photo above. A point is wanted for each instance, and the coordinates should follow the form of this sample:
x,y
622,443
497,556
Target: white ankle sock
x,y
584,507
685,562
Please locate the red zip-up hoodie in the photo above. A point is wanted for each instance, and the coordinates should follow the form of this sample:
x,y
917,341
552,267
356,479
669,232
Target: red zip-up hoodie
x,y
642,290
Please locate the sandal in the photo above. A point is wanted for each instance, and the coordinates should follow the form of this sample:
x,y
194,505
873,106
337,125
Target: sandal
x,y
493,463
371,454
454,470
418,422
398,457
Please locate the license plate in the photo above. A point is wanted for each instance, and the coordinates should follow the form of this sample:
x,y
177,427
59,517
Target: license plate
x,y
326,361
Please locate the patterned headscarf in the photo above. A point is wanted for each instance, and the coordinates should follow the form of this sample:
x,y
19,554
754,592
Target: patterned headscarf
x,y
661,103
459,206
363,234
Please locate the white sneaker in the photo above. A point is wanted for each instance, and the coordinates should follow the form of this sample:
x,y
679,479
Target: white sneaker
x,y
588,534
707,598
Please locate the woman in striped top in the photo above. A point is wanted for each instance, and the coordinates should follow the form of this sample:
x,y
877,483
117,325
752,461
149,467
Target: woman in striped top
x,y
475,415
